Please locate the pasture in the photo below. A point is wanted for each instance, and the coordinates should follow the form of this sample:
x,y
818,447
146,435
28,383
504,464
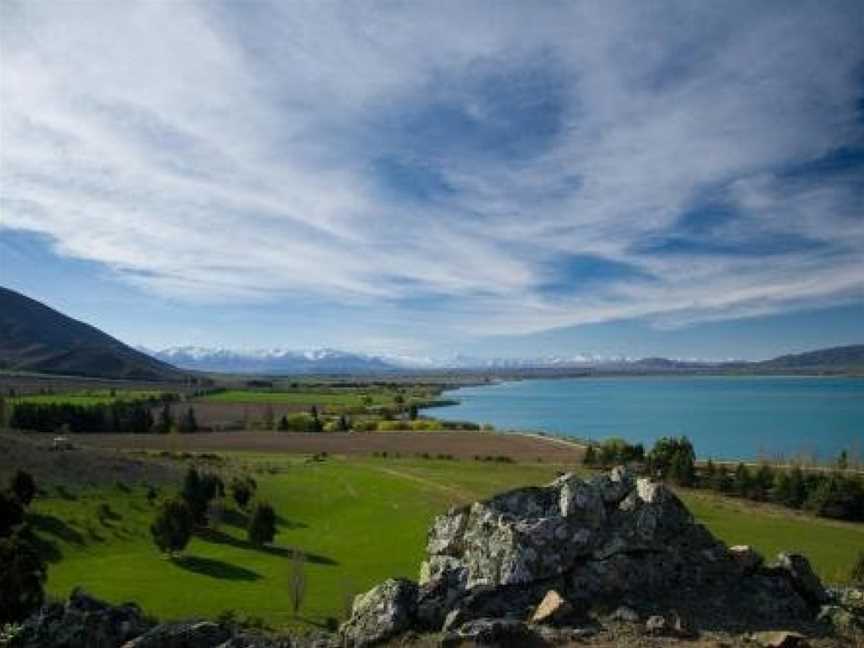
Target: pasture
x,y
88,397
359,519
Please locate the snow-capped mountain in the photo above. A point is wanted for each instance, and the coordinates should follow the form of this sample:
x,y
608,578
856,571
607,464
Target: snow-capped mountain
x,y
272,361
285,361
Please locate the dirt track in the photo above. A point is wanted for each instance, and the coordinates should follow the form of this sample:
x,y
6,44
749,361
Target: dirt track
x,y
459,444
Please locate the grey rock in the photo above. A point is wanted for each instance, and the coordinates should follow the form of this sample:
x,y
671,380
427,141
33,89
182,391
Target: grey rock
x,y
383,612
626,614
201,634
802,577
83,622
840,618
502,633
656,625
779,639
746,559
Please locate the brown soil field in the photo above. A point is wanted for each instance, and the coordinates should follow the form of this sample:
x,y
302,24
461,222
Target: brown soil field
x,y
465,445
231,415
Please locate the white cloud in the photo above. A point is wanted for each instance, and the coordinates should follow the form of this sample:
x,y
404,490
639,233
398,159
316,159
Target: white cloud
x,y
221,152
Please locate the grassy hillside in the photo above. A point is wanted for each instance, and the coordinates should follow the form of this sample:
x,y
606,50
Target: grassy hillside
x,y
360,520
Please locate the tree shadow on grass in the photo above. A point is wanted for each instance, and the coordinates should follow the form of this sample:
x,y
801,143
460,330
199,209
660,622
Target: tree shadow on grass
x,y
290,524
240,520
215,568
53,525
235,518
220,537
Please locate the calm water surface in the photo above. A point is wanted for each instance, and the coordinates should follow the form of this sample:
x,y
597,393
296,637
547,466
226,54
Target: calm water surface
x,y
725,417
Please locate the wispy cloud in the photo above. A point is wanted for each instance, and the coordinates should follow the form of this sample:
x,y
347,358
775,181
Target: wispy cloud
x,y
489,168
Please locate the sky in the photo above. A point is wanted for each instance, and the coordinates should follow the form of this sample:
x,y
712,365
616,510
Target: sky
x,y
429,178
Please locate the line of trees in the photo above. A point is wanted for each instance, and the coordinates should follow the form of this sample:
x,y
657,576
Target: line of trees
x,y
833,494
120,416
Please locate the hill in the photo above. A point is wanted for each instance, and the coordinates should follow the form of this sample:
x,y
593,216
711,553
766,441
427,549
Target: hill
x,y
34,337
832,358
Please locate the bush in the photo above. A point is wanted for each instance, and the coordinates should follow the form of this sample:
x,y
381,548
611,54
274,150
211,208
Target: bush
x,y
22,577
300,423
392,426
23,486
262,525
425,424
172,528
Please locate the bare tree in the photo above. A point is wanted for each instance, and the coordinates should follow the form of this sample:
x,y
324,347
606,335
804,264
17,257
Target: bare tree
x,y
297,580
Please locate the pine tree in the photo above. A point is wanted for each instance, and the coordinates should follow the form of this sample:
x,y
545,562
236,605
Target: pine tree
x,y
589,459
742,481
23,486
189,423
195,496
172,528
22,578
166,419
262,524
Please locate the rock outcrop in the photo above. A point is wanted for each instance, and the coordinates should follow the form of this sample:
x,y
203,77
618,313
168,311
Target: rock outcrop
x,y
530,558
613,560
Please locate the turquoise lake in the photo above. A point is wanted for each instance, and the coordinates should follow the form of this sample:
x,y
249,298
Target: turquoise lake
x,y
725,417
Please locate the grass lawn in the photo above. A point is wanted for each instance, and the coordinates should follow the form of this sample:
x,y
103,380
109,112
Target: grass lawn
x,y
360,521
89,397
352,398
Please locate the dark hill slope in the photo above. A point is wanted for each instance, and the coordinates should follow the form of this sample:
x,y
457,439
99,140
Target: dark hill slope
x,y
34,337
843,356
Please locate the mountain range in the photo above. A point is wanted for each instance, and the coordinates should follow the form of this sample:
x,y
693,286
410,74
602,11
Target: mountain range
x,y
322,361
37,338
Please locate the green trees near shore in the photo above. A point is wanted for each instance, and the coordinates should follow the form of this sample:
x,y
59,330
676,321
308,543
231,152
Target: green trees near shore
x,y
832,493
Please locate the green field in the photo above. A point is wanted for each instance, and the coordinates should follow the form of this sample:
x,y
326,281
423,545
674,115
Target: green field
x,y
89,397
345,398
360,520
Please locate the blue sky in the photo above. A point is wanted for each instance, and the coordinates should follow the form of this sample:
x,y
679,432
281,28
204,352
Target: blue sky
x,y
682,179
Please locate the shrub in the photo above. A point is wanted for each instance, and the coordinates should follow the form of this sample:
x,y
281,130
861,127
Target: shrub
x,y
391,426
589,459
22,577
425,424
300,423
262,525
23,486
172,528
